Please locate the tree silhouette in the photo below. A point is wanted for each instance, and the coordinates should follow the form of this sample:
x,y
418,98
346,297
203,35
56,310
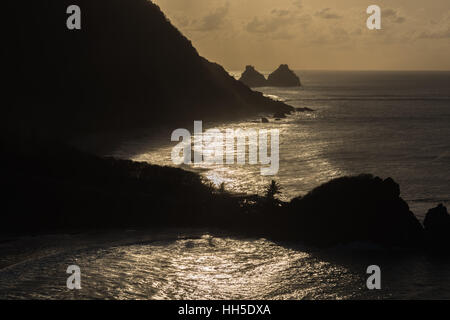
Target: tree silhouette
x,y
272,190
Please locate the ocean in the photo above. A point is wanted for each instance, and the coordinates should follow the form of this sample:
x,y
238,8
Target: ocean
x,y
390,124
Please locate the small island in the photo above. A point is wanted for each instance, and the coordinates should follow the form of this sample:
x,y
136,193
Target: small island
x,y
253,78
282,77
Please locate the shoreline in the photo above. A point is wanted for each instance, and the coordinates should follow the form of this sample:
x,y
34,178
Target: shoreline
x,y
24,248
131,191
103,143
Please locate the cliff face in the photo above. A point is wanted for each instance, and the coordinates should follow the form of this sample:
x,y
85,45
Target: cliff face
x,y
127,67
253,78
283,77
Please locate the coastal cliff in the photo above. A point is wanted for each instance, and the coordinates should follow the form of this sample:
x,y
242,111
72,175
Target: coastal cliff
x,y
127,67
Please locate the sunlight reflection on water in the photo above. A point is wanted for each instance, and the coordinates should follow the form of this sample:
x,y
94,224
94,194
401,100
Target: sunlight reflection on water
x,y
302,165
194,264
390,124
197,268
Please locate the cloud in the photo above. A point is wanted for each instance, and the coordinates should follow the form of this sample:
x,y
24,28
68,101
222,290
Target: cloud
x,y
283,35
182,21
335,36
298,3
440,34
278,24
280,13
392,15
327,14
258,26
213,20
272,24
438,29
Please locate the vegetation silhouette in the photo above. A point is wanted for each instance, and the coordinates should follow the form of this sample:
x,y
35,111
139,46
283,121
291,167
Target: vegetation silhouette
x,y
56,188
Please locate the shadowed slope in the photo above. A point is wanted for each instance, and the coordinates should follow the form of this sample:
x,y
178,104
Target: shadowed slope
x,y
127,67
361,208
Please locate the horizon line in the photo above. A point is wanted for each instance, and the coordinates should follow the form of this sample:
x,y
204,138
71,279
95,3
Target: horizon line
x,y
360,70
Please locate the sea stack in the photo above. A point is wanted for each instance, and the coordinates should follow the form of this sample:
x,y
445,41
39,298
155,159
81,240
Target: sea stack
x,y
253,78
437,229
283,77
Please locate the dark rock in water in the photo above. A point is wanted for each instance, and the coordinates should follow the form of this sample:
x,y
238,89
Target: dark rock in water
x,y
283,77
279,115
264,120
253,78
437,227
303,109
362,208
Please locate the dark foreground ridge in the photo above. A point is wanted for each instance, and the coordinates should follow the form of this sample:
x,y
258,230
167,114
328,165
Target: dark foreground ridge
x,y
55,188
128,67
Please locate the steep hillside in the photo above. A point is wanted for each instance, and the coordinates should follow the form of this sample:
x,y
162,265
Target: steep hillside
x,y
127,67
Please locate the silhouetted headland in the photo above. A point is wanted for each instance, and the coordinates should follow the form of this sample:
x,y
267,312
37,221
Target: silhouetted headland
x,y
128,67
362,208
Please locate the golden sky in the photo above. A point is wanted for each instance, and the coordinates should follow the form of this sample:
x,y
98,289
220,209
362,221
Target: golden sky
x,y
316,34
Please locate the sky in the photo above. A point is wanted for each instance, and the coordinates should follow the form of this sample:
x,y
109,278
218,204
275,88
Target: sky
x,y
316,34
